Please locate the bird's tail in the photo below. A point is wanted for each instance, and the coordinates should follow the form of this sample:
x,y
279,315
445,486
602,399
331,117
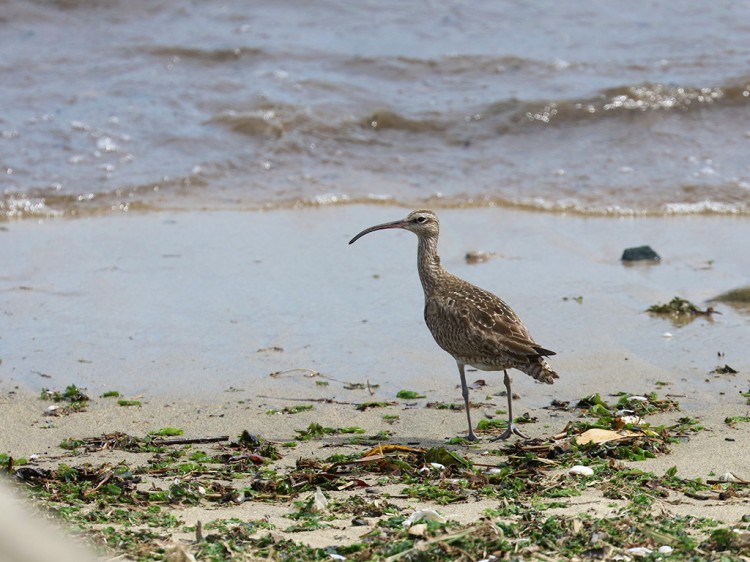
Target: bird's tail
x,y
540,370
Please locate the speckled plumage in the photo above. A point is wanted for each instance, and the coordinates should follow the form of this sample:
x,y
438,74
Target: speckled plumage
x,y
479,329
473,325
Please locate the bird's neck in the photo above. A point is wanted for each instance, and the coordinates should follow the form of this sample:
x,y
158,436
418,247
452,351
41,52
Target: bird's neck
x,y
428,264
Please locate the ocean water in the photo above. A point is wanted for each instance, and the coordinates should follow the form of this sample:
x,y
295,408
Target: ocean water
x,y
594,107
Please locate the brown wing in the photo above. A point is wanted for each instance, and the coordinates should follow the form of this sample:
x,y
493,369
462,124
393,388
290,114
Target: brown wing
x,y
470,322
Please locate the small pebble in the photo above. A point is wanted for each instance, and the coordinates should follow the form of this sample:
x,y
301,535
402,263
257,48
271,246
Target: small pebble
x,y
418,530
477,256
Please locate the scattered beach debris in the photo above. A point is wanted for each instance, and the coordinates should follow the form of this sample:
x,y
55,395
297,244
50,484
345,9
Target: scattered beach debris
x,y
725,370
306,372
409,395
71,394
315,430
76,400
732,421
443,457
292,409
728,477
167,432
133,505
578,299
362,386
189,440
681,311
559,405
367,405
599,436
448,406
735,296
640,253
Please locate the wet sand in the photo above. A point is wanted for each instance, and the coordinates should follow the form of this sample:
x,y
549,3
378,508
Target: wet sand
x,y
191,304
191,313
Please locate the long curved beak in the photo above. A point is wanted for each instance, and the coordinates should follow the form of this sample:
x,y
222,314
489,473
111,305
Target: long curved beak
x,y
394,224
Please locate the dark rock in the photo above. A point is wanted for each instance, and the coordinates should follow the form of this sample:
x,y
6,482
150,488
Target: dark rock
x,y
641,253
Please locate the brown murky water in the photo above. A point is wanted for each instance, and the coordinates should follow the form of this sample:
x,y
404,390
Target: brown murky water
x,y
594,107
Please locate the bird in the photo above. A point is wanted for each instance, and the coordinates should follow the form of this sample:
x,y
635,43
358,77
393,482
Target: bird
x,y
473,325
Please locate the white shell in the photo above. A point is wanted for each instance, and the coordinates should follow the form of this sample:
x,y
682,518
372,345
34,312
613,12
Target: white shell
x,y
426,515
640,551
729,477
320,502
633,420
580,470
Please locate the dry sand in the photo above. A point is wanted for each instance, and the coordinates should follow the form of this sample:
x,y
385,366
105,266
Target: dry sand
x,y
27,432
192,312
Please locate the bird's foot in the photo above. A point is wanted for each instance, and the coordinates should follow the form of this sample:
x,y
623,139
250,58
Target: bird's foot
x,y
471,436
510,430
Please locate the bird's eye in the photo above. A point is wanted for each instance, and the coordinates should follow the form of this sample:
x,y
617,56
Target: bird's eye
x,y
421,220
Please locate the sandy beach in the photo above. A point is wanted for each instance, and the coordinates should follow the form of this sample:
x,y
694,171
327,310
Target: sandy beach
x,y
196,365
216,322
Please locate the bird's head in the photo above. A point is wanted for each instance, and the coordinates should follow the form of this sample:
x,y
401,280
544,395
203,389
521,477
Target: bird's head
x,y
423,223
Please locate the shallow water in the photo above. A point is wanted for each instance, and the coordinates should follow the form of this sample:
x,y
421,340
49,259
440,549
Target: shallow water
x,y
593,107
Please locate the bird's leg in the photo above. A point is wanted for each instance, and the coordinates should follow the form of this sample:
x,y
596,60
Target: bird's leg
x,y
465,394
511,429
